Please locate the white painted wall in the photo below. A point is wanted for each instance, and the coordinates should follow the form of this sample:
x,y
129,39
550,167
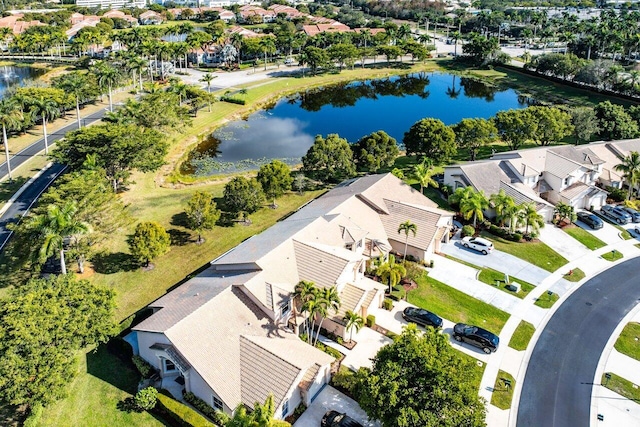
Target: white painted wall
x,y
146,340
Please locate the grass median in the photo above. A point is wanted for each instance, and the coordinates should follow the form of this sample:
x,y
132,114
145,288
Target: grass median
x,y
584,237
628,343
621,386
522,335
547,300
574,275
612,256
456,306
536,253
503,390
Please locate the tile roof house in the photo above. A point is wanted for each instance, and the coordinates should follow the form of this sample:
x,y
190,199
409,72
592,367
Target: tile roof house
x,y
150,18
612,152
544,176
16,25
230,334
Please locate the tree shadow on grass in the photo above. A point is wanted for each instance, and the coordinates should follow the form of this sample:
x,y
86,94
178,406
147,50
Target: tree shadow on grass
x,y
179,220
114,262
107,366
8,188
178,237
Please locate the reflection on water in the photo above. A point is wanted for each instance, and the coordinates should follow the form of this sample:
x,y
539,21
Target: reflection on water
x,y
12,76
286,130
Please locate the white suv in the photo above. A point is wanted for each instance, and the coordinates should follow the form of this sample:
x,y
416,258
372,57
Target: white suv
x,y
478,243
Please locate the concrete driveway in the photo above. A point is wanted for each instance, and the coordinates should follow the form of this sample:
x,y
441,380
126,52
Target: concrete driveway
x,y
608,233
331,399
562,243
369,343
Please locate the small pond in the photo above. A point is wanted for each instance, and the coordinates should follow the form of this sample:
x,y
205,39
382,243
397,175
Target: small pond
x,y
11,76
286,130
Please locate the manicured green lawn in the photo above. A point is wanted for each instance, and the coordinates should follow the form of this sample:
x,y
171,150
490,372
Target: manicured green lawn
x,y
478,368
621,386
575,276
503,390
522,335
456,306
536,253
614,255
629,340
584,237
546,301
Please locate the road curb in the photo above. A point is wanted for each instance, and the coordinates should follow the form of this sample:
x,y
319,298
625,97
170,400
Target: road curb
x,y
23,188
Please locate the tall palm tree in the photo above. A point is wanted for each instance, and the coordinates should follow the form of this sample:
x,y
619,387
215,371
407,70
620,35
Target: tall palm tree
x,y
180,88
474,207
500,202
329,300
512,212
11,116
303,292
353,321
531,218
461,194
424,172
406,228
137,65
268,46
391,272
207,78
78,85
54,226
107,76
630,167
47,109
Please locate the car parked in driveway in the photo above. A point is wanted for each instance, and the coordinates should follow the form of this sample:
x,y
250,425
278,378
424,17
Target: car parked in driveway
x,y
476,336
336,419
478,243
591,220
421,317
616,213
635,215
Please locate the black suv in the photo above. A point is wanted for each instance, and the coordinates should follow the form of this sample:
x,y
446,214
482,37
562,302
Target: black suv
x,y
336,419
421,316
591,220
476,336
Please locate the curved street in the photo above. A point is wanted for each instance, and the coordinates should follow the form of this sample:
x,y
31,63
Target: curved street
x,y
558,383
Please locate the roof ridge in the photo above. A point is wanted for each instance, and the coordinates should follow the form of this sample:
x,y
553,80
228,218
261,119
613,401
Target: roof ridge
x,y
249,338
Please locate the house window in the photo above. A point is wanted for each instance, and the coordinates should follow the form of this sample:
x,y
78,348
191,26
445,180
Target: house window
x,y
566,180
285,408
349,246
217,403
169,366
285,307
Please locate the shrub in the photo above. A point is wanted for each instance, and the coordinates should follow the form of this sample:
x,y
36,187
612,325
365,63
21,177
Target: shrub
x,y
414,271
468,230
339,340
218,417
391,334
515,237
616,194
182,414
35,416
233,100
431,263
146,398
345,379
398,293
145,369
387,304
279,423
371,320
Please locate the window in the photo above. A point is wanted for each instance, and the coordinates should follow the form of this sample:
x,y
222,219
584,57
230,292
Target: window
x,y
285,307
169,366
349,246
285,408
217,403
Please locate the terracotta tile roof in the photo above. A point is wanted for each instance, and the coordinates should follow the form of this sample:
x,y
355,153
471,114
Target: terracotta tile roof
x,y
351,298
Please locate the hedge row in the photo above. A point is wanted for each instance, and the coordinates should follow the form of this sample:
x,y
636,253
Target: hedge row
x,y
231,100
505,234
218,417
180,413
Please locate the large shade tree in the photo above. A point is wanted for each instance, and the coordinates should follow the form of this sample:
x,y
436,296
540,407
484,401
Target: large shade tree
x,y
329,159
375,151
149,241
202,213
275,178
473,134
431,138
243,196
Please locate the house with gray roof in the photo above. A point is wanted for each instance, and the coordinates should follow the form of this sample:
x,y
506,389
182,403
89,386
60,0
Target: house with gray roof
x,y
230,334
544,176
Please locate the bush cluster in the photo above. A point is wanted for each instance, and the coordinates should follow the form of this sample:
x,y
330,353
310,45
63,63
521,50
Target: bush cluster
x,y
218,417
505,234
468,230
329,350
371,320
387,304
616,194
231,100
181,414
345,379
145,369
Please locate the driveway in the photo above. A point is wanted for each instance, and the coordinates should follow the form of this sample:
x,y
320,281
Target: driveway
x,y
608,233
562,243
497,260
369,343
331,399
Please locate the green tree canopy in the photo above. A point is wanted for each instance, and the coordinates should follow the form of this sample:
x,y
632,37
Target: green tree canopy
x,y
275,178
375,151
552,124
481,49
473,134
343,54
420,381
314,57
515,127
43,324
149,241
119,149
585,123
243,195
329,159
202,213
431,138
615,122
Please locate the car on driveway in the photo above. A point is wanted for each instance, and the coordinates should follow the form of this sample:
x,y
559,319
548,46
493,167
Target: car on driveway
x,y
591,220
478,243
336,419
635,215
422,317
616,213
476,336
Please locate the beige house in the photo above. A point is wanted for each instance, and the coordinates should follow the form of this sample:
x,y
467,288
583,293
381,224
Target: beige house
x,y
230,335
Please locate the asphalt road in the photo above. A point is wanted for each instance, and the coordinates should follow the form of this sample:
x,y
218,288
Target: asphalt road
x,y
24,202
559,379
24,155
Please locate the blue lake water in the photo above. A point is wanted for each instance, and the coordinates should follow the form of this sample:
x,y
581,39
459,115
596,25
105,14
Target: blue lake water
x,y
352,110
12,76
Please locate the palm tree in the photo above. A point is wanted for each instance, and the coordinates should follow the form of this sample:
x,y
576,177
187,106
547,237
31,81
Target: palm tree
x,y
500,203
78,85
461,194
329,300
178,87
207,78
107,76
47,109
267,45
303,292
630,167
137,65
530,216
474,207
512,212
353,321
406,228
565,211
391,272
11,117
424,172
54,226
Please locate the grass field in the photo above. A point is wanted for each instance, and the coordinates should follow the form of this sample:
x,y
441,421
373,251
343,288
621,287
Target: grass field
x,y
614,255
584,237
575,276
522,335
456,306
546,300
629,340
536,253
503,390
621,386
478,368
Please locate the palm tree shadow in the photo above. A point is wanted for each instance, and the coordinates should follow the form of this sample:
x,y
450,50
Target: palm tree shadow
x,y
114,262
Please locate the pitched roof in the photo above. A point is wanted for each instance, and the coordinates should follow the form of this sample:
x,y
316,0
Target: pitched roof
x,y
321,264
560,166
426,220
583,156
579,188
351,298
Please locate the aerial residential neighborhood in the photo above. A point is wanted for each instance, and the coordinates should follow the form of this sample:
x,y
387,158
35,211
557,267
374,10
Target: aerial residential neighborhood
x,y
334,214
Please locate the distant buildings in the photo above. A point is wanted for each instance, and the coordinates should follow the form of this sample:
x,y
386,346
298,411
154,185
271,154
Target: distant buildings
x,y
111,4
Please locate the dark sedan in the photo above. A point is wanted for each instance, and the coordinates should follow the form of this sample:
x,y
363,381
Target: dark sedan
x,y
476,336
591,220
336,419
422,317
